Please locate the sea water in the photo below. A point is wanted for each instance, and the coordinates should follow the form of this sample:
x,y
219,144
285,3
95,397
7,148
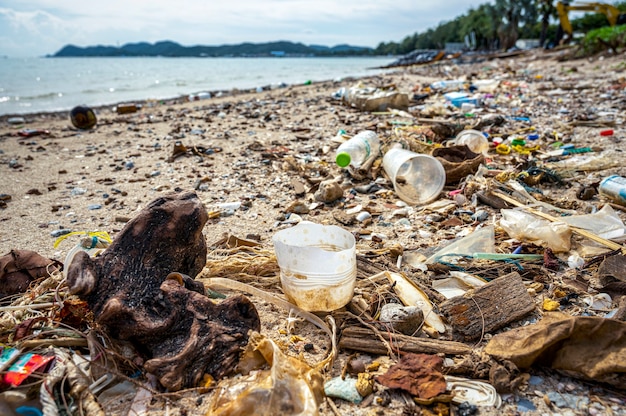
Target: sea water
x,y
31,85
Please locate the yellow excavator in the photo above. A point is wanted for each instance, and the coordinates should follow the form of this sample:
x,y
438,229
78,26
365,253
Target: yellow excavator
x,y
563,8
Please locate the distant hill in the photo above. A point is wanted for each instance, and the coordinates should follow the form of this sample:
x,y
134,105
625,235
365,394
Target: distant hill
x,y
173,49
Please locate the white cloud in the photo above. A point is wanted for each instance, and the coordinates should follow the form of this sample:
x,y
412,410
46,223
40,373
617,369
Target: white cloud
x,y
38,27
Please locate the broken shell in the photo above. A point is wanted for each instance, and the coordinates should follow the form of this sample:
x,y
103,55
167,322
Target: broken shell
x,y
363,216
354,210
473,391
298,207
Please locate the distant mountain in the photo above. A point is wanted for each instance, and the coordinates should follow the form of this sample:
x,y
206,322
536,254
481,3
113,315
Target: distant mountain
x,y
173,49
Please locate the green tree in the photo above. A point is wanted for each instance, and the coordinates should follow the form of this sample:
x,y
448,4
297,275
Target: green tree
x,y
512,14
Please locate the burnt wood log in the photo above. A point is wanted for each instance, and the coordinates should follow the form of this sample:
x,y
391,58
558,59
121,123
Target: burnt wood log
x,y
140,290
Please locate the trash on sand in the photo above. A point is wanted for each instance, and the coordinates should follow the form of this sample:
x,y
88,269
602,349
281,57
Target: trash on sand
x,y
527,227
33,132
457,284
19,268
317,265
358,149
475,392
458,162
417,178
418,374
614,188
289,386
83,117
127,108
605,223
375,99
587,347
481,240
25,365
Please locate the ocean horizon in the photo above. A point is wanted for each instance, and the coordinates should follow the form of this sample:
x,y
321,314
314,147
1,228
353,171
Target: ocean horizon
x,y
45,84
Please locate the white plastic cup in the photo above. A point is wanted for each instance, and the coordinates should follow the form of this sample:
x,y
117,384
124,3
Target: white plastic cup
x,y
417,178
474,139
317,265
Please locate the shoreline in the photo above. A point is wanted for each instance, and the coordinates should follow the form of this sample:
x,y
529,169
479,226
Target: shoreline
x,y
182,99
177,81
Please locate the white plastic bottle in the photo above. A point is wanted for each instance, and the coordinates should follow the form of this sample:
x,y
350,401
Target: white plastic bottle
x,y
358,149
448,85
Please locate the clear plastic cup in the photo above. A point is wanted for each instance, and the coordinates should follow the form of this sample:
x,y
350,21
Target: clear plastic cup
x,y
417,178
317,265
474,139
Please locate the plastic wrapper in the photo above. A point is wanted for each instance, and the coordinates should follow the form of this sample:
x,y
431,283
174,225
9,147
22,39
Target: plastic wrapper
x,y
480,241
586,347
375,99
289,387
605,223
527,227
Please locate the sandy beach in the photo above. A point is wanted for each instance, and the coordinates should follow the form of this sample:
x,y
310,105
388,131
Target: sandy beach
x,y
255,159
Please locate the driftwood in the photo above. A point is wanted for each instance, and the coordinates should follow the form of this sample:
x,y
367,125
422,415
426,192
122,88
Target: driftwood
x,y
499,302
364,339
140,291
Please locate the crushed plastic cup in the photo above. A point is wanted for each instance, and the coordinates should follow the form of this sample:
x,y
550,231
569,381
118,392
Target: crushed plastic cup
x,y
317,265
417,178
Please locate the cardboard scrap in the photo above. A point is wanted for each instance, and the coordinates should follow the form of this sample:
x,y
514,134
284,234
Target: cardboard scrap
x,y
418,374
586,347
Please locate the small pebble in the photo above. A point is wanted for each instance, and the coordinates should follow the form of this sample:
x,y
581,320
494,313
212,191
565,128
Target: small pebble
x,y
59,233
480,215
343,389
329,191
405,319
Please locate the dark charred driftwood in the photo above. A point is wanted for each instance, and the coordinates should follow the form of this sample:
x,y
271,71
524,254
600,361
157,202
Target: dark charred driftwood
x,y
140,290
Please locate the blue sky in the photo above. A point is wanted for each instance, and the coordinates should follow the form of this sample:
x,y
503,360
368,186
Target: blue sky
x,y
40,27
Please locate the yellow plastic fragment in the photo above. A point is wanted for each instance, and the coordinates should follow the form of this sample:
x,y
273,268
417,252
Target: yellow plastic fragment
x,y
550,305
96,235
503,149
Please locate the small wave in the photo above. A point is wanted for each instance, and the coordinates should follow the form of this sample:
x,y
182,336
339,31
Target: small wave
x,y
39,96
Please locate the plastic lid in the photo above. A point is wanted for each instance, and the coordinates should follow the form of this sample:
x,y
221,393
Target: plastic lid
x,y
343,159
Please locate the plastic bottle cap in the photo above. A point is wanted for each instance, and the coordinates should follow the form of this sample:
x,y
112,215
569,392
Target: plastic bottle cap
x,y
343,159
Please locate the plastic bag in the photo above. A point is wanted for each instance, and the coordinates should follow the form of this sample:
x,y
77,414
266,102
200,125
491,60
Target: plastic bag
x,y
605,223
527,227
289,387
480,241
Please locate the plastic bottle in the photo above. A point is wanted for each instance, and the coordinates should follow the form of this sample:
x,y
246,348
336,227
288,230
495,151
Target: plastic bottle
x,y
614,188
358,149
448,85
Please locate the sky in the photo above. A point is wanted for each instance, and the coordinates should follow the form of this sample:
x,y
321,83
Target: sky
x,y
40,27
